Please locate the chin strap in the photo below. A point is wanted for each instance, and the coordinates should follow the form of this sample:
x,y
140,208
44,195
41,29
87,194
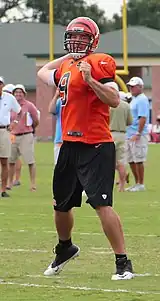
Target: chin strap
x,y
77,55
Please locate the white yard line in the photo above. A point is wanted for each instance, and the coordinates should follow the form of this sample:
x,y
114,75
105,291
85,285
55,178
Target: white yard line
x,y
61,277
46,251
92,251
81,288
44,277
101,252
80,233
23,250
95,252
147,275
101,233
33,215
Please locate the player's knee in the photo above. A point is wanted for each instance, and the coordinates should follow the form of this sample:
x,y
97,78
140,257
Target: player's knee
x,y
101,209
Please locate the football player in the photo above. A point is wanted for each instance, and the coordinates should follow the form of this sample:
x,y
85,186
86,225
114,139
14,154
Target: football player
x,y
86,83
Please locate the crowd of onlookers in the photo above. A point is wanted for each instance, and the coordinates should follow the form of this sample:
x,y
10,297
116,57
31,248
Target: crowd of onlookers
x,y
18,121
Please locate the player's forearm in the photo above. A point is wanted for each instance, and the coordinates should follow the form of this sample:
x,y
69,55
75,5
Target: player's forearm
x,y
105,93
142,121
44,72
55,63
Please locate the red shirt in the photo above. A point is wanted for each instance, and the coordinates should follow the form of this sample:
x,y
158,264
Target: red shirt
x,y
22,127
85,117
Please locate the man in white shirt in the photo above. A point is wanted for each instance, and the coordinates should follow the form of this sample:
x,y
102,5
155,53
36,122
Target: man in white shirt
x,y
7,103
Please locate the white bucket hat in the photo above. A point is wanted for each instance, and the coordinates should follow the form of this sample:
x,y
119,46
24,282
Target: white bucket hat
x,y
21,87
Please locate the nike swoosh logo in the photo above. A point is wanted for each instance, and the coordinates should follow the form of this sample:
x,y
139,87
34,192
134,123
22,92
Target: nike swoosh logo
x,y
98,145
104,63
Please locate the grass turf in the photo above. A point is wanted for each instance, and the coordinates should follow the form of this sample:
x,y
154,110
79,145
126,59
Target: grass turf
x,y
27,235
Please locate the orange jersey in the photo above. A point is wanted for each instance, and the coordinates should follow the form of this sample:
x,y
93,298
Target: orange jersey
x,y
85,118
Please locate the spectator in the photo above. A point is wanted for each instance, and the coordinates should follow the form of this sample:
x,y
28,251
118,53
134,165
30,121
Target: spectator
x,y
137,133
23,144
120,118
8,104
156,127
155,131
9,88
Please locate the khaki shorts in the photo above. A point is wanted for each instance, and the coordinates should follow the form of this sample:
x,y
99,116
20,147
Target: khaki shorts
x,y
5,144
119,140
57,147
23,146
137,151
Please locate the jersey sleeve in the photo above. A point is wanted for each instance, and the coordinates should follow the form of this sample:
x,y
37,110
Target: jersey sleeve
x,y
104,68
54,77
57,76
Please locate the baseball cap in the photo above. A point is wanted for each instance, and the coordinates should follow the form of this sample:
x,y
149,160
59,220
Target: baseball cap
x,y
8,88
1,79
21,87
125,96
135,81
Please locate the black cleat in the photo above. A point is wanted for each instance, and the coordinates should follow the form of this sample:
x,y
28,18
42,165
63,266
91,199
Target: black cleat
x,y
124,270
63,255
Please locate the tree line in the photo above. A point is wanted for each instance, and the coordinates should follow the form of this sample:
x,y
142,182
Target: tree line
x,y
139,12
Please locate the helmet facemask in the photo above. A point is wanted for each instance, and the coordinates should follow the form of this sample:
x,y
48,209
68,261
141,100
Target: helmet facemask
x,y
78,48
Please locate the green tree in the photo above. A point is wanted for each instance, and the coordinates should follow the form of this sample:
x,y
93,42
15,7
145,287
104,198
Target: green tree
x,y
145,13
7,6
140,12
13,10
66,10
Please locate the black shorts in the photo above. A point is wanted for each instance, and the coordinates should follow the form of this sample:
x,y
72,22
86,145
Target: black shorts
x,y
85,167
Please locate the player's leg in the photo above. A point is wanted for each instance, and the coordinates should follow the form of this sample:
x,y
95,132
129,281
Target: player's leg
x,y
67,192
98,180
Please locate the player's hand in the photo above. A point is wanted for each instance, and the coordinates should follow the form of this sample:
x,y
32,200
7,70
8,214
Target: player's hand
x,y
85,68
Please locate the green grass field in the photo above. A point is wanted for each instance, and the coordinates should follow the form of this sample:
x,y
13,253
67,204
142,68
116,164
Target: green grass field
x,y
27,235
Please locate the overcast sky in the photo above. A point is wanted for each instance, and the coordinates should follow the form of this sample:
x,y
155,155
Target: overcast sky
x,y
109,6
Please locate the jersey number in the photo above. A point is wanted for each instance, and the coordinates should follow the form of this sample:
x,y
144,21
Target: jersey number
x,y
63,87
